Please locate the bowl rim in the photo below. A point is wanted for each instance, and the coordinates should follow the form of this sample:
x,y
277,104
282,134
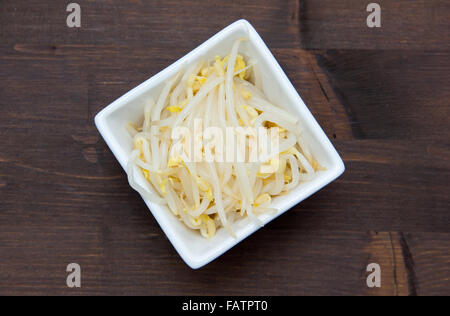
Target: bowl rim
x,y
101,118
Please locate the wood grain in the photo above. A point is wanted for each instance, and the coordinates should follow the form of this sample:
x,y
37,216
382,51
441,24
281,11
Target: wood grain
x,y
405,24
381,96
398,94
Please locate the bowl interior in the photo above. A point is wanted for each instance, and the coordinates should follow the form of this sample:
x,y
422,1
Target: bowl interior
x,y
194,249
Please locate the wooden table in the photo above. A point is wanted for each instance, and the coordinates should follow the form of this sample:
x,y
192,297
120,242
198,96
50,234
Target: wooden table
x,y
381,95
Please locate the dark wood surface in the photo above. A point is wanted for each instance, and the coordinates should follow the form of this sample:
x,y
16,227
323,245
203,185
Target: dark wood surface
x,y
381,95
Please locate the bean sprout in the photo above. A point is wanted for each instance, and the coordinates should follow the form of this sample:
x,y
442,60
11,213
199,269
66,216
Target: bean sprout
x,y
209,195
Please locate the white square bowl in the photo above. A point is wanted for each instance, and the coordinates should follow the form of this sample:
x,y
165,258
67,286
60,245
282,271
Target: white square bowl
x,y
195,250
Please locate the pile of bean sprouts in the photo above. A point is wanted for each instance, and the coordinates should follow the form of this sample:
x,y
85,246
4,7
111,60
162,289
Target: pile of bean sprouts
x,y
207,196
